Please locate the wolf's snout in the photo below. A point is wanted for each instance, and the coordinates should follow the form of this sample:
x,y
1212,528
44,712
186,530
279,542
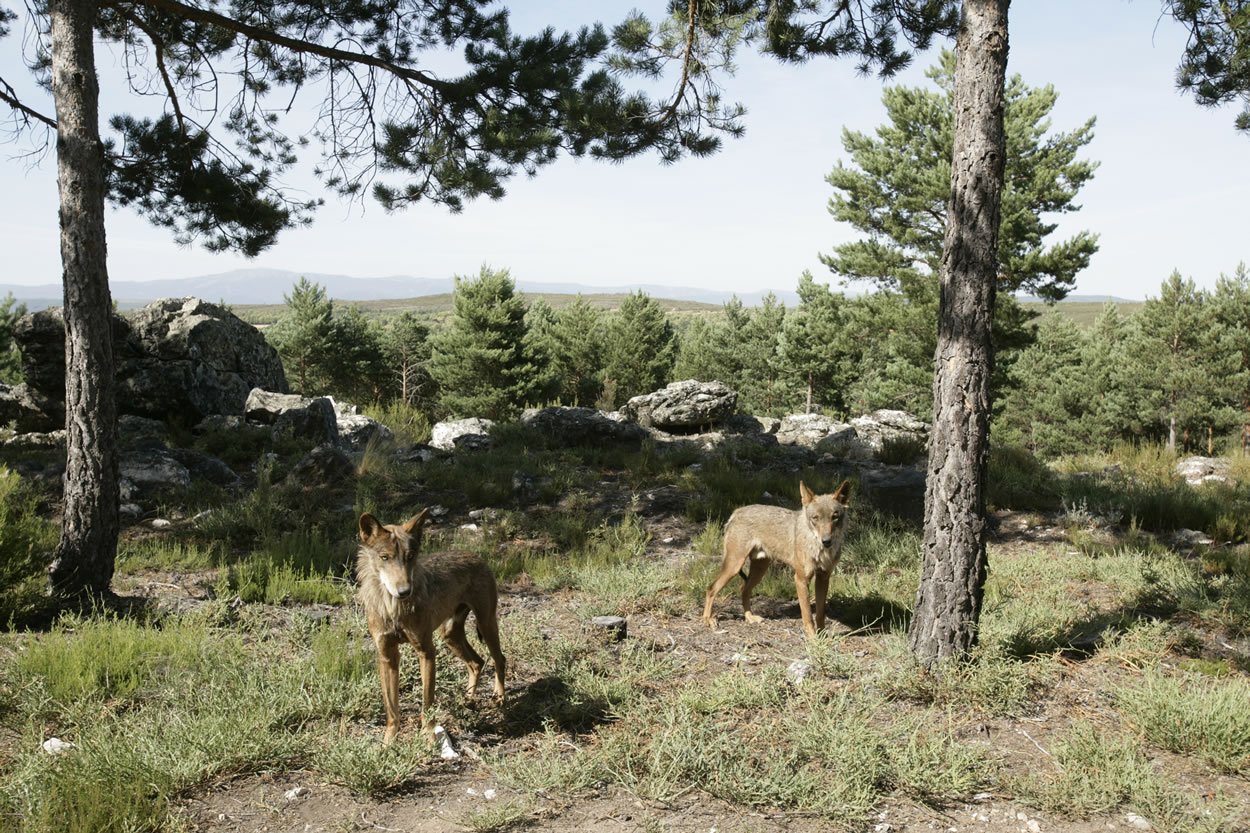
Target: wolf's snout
x,y
826,541
403,592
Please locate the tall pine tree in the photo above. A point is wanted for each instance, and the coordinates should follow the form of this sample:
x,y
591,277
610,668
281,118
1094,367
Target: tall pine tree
x,y
480,361
639,348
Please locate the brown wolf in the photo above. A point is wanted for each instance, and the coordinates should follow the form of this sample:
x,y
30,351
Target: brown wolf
x,y
808,539
406,596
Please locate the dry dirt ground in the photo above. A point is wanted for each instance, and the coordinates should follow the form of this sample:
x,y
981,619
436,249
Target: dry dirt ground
x,y
458,794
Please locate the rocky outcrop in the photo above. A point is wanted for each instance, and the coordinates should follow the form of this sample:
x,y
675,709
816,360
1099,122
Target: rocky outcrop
x,y
472,434
1199,470
180,358
894,490
879,435
325,465
148,473
356,431
582,426
315,422
682,405
30,410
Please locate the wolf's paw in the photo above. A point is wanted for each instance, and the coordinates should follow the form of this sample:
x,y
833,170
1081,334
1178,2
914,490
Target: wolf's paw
x,y
752,618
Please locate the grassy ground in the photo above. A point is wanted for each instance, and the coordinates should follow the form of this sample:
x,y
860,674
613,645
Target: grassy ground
x,y
1112,676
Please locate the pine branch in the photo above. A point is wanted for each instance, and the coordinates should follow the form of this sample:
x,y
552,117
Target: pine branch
x,y
173,7
9,96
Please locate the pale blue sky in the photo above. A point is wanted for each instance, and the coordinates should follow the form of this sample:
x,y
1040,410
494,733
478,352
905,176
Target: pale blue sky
x,y
1172,191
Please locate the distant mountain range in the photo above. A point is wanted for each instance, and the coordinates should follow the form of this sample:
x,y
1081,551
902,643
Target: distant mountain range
x,y
267,286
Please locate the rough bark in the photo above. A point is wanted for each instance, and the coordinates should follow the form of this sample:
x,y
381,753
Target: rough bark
x,y
85,555
948,604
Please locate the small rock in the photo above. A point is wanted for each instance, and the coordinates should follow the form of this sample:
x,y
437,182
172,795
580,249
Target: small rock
x,y
983,796
1137,822
295,793
161,523
883,827
445,750
489,795
615,624
1033,826
798,671
472,791
470,527
670,539
56,746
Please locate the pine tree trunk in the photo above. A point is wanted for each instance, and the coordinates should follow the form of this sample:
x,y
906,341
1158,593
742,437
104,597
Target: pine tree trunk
x,y
809,392
1172,433
85,555
948,603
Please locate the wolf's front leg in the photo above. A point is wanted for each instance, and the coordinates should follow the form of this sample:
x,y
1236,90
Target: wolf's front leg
x,y
388,674
822,593
805,607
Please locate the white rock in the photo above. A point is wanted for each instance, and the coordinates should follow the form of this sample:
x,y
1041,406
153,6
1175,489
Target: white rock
x,y
161,523
1137,822
445,750
470,527
798,671
295,793
489,795
1033,826
56,746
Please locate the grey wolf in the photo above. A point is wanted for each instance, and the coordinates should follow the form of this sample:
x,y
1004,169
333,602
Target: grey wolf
x,y
808,539
407,596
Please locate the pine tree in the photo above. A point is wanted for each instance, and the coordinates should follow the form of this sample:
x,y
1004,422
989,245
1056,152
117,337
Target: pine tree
x,y
1105,361
808,347
579,352
1183,370
541,351
760,385
302,335
10,361
406,345
1048,408
888,342
1231,307
479,359
639,349
354,358
898,185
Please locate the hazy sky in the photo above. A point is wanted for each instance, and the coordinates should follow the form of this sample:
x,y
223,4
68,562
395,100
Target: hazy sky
x,y
1172,191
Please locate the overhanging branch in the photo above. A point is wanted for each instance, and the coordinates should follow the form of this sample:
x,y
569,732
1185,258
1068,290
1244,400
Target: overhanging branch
x,y
9,96
173,7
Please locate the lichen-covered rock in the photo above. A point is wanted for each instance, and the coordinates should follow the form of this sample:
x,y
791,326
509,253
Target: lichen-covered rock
x,y
325,465
582,426
180,358
687,404
472,434
1198,470
315,422
148,472
357,430
265,406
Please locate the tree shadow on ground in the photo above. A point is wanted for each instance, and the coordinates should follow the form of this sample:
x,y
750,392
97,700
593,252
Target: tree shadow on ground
x,y
44,616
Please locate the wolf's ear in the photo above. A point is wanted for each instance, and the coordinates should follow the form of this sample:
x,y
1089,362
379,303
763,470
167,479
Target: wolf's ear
x,y
369,527
416,521
805,493
843,491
